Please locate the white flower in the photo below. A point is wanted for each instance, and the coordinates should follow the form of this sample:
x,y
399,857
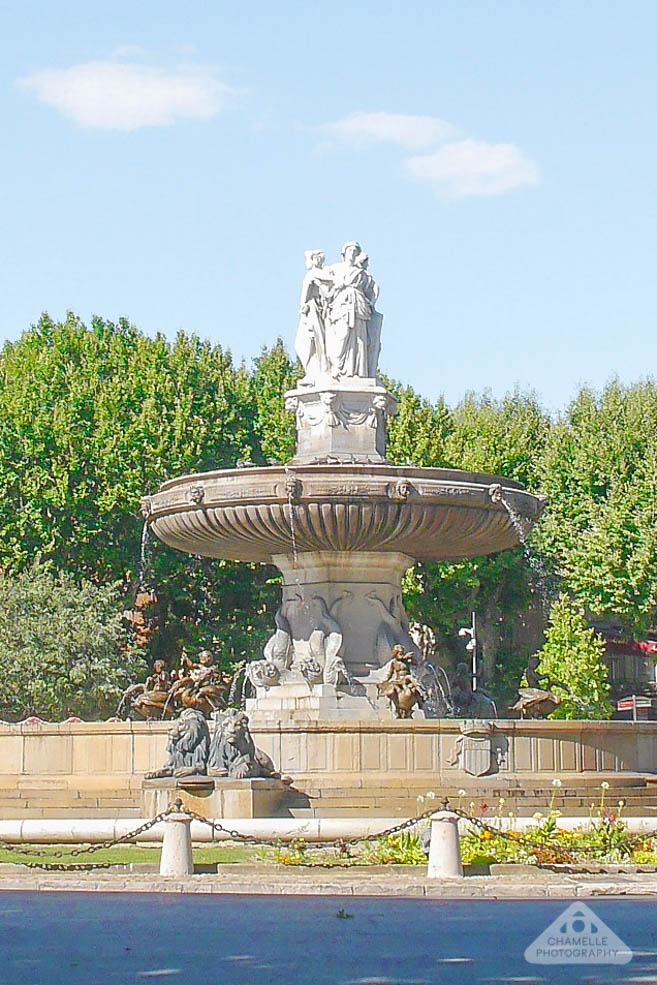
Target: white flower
x,y
431,795
557,783
604,785
462,793
420,798
537,816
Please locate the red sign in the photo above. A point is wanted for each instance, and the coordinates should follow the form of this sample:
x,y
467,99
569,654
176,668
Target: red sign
x,y
638,701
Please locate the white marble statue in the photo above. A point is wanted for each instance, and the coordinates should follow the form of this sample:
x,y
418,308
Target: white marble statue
x,y
339,333
310,343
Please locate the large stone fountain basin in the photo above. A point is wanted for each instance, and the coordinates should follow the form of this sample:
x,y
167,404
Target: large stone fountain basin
x,y
253,514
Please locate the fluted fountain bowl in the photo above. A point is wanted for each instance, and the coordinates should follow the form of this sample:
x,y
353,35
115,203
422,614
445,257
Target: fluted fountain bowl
x,y
253,513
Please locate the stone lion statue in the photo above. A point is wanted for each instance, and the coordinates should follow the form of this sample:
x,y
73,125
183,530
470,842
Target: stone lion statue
x,y
233,752
188,747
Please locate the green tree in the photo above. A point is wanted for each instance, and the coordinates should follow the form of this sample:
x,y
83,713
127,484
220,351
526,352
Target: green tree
x,y
418,434
504,437
91,419
599,471
94,418
65,647
572,655
274,374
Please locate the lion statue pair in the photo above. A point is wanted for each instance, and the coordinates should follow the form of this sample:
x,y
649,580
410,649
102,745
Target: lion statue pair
x,y
230,752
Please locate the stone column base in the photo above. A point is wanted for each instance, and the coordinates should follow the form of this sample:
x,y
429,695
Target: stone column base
x,y
292,702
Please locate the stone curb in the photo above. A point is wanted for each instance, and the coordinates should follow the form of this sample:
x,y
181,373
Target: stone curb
x,y
341,884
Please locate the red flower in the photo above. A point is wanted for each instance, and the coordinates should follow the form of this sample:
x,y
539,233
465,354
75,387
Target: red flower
x,y
483,808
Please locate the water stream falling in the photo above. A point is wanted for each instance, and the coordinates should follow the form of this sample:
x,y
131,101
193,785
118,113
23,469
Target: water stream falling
x,y
544,578
238,685
291,480
145,569
439,701
516,521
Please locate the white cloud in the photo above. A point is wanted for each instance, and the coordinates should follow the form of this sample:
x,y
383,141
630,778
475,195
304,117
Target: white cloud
x,y
124,96
470,168
129,51
456,167
410,132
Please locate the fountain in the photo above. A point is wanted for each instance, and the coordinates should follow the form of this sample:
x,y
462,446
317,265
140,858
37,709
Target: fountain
x,y
342,525
339,521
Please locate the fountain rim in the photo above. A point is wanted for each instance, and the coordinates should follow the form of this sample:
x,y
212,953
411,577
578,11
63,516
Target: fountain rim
x,y
351,468
252,514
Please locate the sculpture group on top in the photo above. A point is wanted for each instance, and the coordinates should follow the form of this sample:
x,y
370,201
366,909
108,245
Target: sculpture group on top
x,y
339,334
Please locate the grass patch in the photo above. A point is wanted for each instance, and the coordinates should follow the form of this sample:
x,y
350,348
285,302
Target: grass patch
x,y
130,854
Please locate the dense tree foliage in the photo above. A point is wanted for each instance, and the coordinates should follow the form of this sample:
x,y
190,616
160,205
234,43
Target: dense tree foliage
x,y
571,657
93,417
599,471
65,648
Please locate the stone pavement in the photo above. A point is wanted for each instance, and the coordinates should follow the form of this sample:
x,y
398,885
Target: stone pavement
x,y
372,881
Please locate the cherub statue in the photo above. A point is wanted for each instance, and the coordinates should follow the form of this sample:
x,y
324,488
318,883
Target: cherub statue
x,y
150,699
201,685
400,686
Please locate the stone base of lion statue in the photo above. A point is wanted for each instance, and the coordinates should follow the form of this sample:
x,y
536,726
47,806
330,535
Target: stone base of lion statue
x,y
216,797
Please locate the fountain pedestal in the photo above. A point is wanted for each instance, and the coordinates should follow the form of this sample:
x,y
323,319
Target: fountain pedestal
x,y
304,702
357,594
341,615
341,421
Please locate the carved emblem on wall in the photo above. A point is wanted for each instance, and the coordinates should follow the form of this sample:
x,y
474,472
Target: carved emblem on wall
x,y
196,494
479,749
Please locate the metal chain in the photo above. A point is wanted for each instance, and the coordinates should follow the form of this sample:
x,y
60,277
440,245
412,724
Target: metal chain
x,y
341,844
235,835
87,849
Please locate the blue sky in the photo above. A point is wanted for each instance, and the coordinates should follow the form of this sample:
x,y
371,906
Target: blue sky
x,y
171,162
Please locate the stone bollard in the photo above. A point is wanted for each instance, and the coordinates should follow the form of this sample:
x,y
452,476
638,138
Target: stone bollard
x,y
445,848
176,858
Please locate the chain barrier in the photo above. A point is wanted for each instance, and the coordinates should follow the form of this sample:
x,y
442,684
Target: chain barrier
x,y
36,853
340,844
259,840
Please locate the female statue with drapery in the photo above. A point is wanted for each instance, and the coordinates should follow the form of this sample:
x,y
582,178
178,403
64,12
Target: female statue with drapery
x,y
310,343
339,329
348,314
